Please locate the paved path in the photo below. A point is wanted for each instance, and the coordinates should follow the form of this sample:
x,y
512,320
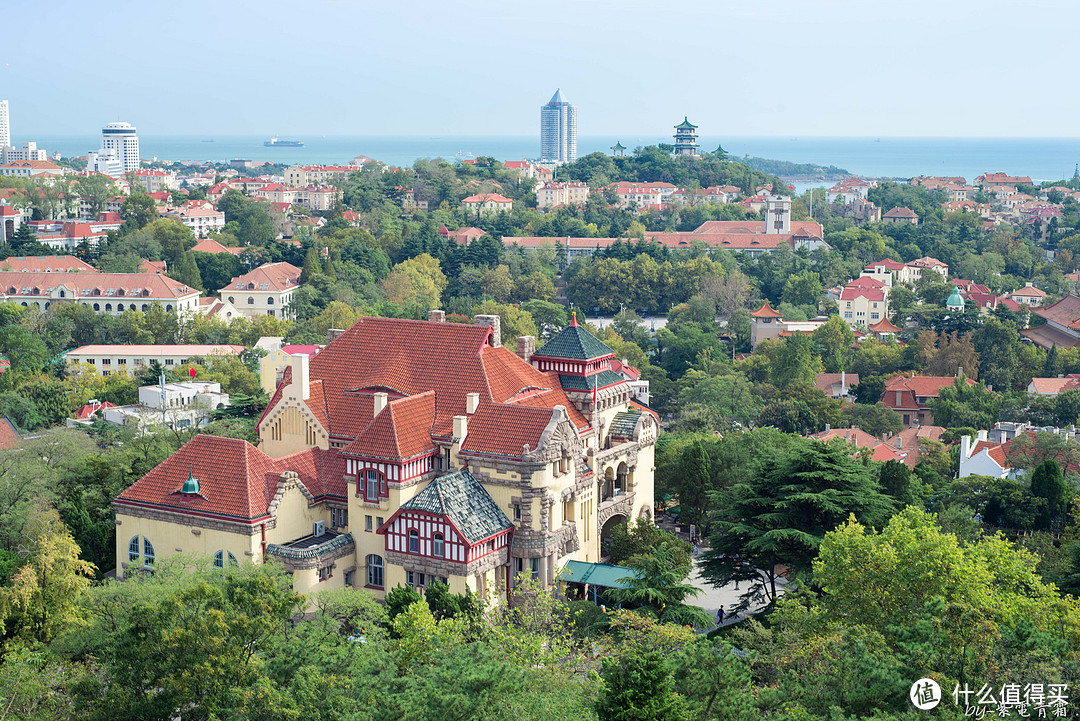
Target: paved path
x,y
712,598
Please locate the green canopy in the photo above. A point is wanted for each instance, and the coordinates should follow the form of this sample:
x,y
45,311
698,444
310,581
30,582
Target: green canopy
x,y
596,574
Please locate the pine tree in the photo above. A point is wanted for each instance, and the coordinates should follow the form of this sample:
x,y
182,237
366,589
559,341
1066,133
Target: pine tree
x,y
696,481
186,270
312,267
1048,484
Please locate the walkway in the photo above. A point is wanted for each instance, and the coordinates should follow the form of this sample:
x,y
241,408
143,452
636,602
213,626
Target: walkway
x,y
712,598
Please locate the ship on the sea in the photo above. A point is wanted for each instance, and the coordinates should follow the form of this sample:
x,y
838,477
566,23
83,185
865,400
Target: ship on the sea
x,y
279,143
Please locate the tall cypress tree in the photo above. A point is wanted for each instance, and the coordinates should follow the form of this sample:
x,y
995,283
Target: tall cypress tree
x,y
1048,484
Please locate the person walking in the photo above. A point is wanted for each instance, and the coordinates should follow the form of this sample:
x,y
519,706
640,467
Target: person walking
x,y
720,616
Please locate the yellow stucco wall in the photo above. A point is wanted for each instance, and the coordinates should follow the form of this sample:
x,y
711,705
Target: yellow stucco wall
x,y
168,537
268,368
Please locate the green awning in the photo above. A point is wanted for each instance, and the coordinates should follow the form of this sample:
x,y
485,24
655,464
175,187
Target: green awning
x,y
596,574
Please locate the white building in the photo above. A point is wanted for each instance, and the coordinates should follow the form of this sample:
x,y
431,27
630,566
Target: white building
x,y
184,394
984,458
201,220
105,161
5,125
124,141
133,359
266,290
558,131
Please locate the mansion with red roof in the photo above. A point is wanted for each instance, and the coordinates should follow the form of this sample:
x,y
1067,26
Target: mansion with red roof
x,y
409,451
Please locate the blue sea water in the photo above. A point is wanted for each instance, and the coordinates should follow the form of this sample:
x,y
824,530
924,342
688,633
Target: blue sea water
x,y
1040,158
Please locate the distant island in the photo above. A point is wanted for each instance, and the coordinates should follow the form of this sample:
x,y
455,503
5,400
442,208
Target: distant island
x,y
787,169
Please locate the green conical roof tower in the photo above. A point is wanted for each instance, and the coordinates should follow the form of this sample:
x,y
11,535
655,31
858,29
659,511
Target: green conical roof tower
x,y
191,485
685,124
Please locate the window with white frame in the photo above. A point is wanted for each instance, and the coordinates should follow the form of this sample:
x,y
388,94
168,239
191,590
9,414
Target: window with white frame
x,y
375,571
414,541
437,549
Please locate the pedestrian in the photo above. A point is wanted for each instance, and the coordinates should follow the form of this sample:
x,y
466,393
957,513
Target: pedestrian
x,y
720,616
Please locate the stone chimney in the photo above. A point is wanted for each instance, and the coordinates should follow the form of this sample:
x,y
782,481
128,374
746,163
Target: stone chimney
x,y
436,316
332,334
461,429
526,347
472,402
298,387
899,442
496,323
959,371
828,427
380,403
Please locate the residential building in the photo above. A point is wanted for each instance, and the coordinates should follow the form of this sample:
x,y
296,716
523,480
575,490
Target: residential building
x,y
214,307
123,140
201,221
133,359
30,169
111,293
46,264
864,211
901,214
302,176
686,138
10,220
990,181
266,290
1054,386
916,267
272,365
1062,327
903,447
154,181
487,203
209,245
985,458
5,125
864,301
1029,295
552,195
409,451
558,131
837,385
68,234
26,151
910,396
184,394
462,236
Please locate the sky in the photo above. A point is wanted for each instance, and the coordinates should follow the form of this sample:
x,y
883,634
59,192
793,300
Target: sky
x,y
479,67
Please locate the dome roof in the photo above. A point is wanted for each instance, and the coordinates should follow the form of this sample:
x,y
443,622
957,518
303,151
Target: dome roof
x,y
955,300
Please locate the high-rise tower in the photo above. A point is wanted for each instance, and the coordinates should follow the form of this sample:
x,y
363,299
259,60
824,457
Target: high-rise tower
x,y
5,125
122,139
558,131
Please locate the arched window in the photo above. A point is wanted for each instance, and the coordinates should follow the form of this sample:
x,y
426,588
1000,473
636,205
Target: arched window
x,y
375,571
251,301
219,559
148,552
232,560
108,307
97,306
231,299
144,307
437,546
414,541
269,301
133,550
168,308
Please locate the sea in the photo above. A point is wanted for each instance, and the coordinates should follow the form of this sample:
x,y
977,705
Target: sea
x,y
887,157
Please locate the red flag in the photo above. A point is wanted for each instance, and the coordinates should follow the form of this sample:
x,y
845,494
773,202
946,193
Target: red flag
x,y
791,187
191,371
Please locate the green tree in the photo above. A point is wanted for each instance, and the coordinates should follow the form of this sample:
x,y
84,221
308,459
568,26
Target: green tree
x,y
659,587
796,362
638,687
643,537
696,482
779,514
1048,484
139,210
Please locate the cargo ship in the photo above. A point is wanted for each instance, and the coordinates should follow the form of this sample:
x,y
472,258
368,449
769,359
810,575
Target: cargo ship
x,y
279,143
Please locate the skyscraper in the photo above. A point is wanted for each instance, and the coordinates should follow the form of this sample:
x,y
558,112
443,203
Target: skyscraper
x,y
5,126
558,131
122,139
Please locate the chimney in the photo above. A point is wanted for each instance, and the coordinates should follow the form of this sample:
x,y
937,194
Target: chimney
x,y
472,402
298,388
332,334
461,428
526,347
1028,285
899,442
828,427
843,383
965,447
436,316
981,435
496,323
380,403
959,371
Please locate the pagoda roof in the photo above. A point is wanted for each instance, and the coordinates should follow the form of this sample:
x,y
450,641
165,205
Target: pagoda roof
x,y
883,326
766,311
574,343
685,125
618,146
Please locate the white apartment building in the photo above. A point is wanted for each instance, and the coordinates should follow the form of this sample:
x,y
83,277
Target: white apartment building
x,y
106,162
301,176
122,139
30,169
111,293
202,221
26,151
558,131
5,125
133,359
155,181
552,195
266,290
184,394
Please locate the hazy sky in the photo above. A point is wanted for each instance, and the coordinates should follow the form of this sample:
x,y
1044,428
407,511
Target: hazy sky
x,y
479,67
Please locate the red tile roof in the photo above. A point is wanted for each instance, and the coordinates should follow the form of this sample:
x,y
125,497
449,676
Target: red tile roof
x,y
84,285
236,480
487,198
766,311
212,246
888,264
46,264
901,212
277,276
825,381
400,431
1065,312
883,326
